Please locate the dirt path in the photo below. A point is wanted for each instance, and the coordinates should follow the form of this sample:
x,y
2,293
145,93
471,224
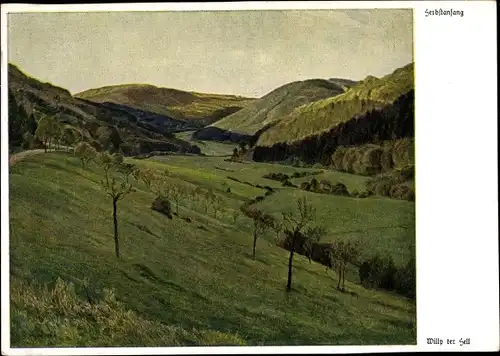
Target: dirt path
x,y
16,157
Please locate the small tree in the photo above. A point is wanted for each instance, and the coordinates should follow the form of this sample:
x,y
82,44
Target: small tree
x,y
313,236
116,184
207,199
234,157
176,192
261,222
47,130
278,228
235,215
69,136
344,253
294,225
85,152
217,204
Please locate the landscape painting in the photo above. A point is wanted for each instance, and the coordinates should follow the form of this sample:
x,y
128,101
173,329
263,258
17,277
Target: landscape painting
x,y
211,178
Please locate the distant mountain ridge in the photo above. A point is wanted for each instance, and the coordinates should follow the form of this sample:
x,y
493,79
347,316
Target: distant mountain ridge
x,y
271,108
200,109
322,115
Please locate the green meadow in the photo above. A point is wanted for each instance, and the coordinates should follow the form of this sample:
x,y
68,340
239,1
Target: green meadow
x,y
191,280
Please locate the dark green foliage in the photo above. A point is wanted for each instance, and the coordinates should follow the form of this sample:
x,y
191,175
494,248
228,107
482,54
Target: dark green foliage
x,y
162,205
381,272
383,122
19,123
365,98
280,177
305,186
397,184
314,185
287,183
402,191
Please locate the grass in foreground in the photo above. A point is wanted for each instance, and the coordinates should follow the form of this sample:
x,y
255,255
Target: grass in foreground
x,y
194,275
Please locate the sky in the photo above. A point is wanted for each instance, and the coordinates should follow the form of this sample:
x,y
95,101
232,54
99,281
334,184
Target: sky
x,y
247,53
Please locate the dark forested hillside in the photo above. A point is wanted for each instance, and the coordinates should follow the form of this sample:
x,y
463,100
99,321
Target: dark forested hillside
x,y
389,122
30,100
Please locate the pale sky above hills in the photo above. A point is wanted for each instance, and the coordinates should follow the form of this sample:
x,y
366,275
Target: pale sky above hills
x,y
245,53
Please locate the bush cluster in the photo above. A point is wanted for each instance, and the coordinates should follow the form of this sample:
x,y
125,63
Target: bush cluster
x,y
373,159
381,272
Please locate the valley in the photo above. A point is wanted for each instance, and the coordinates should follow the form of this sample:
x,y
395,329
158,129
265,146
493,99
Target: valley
x,y
147,216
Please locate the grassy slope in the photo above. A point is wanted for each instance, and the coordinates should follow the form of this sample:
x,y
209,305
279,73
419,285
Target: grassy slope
x,y
48,99
210,148
277,104
322,115
173,272
171,102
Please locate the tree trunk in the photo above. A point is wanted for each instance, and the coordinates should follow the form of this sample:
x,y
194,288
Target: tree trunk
x,y
115,222
254,244
290,261
340,277
343,278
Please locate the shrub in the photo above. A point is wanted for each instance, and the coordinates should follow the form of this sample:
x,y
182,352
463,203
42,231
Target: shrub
x,y
339,189
405,279
403,153
354,193
338,158
305,186
314,185
349,159
287,183
381,272
228,190
371,161
365,194
162,205
402,191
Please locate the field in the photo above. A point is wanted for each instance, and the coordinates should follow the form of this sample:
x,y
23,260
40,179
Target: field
x,y
210,148
197,275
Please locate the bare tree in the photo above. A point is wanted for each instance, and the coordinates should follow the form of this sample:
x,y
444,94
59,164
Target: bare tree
x,y
278,228
344,252
217,204
176,192
85,152
294,225
207,199
261,222
117,183
313,236
235,215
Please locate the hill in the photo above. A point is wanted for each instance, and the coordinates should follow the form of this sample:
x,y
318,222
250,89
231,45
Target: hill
x,y
30,99
345,83
199,109
322,115
271,108
374,109
191,280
